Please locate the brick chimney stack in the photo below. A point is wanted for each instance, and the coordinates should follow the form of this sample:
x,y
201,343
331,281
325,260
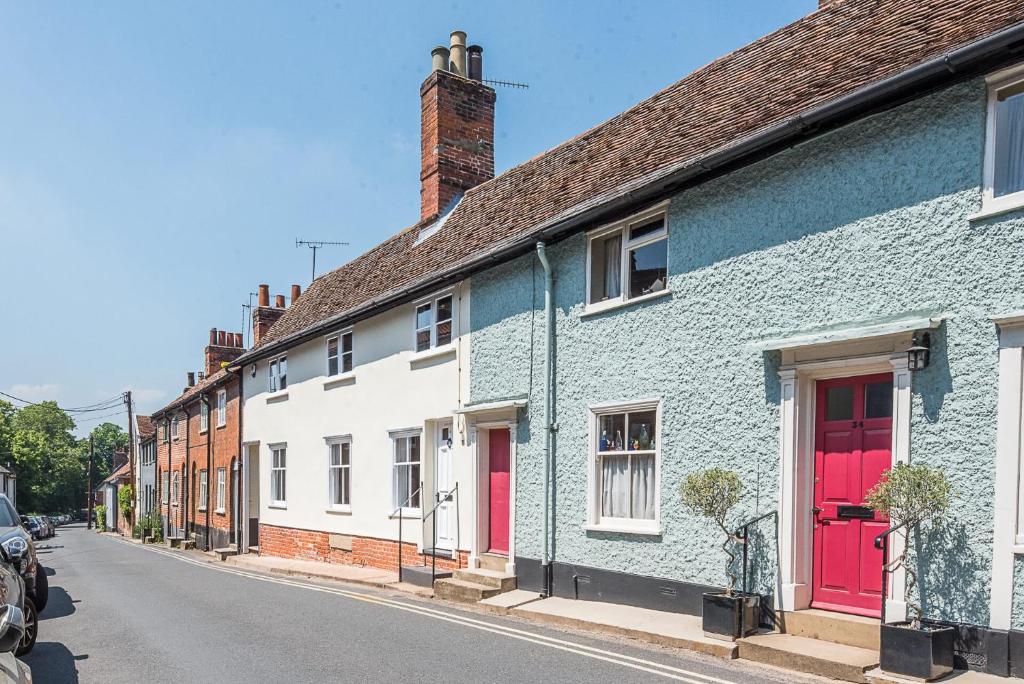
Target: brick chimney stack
x,y
224,347
264,316
457,126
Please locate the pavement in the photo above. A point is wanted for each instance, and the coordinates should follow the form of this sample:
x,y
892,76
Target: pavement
x,y
122,612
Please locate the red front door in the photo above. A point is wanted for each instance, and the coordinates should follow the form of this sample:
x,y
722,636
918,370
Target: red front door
x,y
498,474
852,448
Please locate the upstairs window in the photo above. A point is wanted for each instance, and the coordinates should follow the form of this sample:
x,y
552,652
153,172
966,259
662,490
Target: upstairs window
x,y
174,427
628,260
339,354
434,323
222,408
277,374
1004,158
204,416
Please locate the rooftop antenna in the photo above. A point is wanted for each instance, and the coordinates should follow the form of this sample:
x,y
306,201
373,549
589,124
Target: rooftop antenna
x,y
315,245
506,84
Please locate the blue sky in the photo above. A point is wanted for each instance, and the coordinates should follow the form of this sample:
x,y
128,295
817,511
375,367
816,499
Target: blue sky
x,y
158,160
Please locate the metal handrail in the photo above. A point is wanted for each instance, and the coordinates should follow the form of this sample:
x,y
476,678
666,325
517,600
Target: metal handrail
x,y
399,511
882,544
433,538
742,535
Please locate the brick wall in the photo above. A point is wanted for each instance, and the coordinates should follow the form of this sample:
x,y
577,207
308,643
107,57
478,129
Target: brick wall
x,y
286,542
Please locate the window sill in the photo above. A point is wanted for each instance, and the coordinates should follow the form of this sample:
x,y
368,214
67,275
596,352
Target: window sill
x,y
652,529
201,509
341,510
332,381
999,206
602,307
280,505
433,353
276,397
203,432
219,511
222,426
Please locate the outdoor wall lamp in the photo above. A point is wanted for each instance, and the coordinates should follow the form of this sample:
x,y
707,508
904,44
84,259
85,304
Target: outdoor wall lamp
x,y
919,352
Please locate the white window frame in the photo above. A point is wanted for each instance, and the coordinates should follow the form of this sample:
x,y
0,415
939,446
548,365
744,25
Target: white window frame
x,y
204,416
990,204
274,469
165,488
340,442
396,435
222,488
341,354
222,408
203,484
625,246
175,425
175,487
595,521
274,375
432,325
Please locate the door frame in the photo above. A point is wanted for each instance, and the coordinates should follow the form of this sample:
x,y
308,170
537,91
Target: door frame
x,y
797,406
481,490
453,509
246,465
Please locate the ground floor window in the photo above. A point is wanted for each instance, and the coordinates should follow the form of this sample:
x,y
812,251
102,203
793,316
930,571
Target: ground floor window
x,y
175,488
202,490
406,470
222,487
339,472
625,472
277,473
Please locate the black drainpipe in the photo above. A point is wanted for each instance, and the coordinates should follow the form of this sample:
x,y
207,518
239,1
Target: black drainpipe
x,y
184,485
237,505
210,427
167,521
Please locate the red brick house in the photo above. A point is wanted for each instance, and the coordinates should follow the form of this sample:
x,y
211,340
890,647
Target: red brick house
x,y
197,451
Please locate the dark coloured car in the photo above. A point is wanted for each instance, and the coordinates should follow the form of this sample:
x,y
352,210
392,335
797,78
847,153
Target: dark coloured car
x,y
16,540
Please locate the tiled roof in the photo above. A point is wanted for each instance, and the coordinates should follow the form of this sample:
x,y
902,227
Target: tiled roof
x,y
831,53
146,427
121,473
193,392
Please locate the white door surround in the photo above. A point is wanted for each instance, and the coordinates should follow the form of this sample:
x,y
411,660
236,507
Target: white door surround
x,y
801,368
479,444
250,452
444,481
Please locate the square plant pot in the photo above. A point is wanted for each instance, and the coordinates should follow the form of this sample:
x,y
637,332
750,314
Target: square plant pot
x,y
924,654
730,617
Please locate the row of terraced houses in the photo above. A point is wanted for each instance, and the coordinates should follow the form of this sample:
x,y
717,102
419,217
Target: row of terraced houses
x,y
803,262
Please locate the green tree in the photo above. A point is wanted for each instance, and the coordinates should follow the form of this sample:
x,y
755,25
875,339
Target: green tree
x,y
713,494
107,438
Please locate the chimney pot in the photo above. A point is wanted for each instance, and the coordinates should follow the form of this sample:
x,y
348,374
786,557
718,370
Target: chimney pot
x,y
213,336
264,298
238,340
439,57
191,378
279,301
222,338
201,375
476,62
458,53
296,291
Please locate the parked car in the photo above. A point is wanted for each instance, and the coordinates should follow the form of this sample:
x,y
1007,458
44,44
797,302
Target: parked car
x,y
16,541
21,580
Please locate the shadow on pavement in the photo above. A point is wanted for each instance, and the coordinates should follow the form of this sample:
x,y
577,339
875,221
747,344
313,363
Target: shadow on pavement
x,y
50,572
59,604
53,662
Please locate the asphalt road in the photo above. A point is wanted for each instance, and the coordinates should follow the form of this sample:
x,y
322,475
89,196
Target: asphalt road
x,y
119,612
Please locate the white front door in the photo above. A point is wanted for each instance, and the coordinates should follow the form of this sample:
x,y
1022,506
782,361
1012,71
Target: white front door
x,y
444,483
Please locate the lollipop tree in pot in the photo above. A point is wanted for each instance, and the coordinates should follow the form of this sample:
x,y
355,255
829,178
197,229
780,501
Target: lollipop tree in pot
x,y
713,494
912,495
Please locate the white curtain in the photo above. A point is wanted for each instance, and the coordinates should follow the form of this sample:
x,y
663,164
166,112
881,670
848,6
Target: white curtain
x,y
613,267
643,487
1010,178
615,486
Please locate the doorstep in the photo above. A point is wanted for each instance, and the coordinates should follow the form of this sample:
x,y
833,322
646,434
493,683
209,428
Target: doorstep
x,y
503,603
876,676
653,626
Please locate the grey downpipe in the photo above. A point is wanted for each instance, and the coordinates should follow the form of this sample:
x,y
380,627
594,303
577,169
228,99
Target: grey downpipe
x,y
549,335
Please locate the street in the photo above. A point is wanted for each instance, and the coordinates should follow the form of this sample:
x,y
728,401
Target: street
x,y
120,612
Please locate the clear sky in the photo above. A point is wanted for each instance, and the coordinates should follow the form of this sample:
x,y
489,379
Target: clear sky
x,y
159,159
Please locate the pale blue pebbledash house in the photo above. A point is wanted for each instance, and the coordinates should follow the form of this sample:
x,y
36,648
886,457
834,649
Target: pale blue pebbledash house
x,y
815,271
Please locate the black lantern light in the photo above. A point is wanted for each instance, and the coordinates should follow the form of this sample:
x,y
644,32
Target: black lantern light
x,y
919,352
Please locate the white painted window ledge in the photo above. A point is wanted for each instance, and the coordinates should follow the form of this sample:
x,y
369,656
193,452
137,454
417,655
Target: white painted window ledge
x,y
433,353
219,510
999,206
275,397
341,509
281,505
332,381
651,530
611,305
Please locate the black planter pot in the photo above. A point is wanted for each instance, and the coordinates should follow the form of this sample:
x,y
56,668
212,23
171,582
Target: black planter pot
x,y
731,617
924,654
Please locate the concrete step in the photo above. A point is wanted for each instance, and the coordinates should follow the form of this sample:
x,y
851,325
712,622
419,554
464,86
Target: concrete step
x,y
462,591
420,575
491,578
223,553
254,549
852,630
813,656
491,561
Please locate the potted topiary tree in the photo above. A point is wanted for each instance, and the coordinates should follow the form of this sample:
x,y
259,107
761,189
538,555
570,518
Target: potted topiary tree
x,y
911,495
713,494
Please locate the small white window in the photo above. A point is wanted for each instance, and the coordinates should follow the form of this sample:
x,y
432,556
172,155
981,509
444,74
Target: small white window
x,y
222,484
406,489
222,408
625,480
1004,156
164,489
204,416
174,427
277,374
628,260
339,467
202,490
278,463
339,354
434,323
175,488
